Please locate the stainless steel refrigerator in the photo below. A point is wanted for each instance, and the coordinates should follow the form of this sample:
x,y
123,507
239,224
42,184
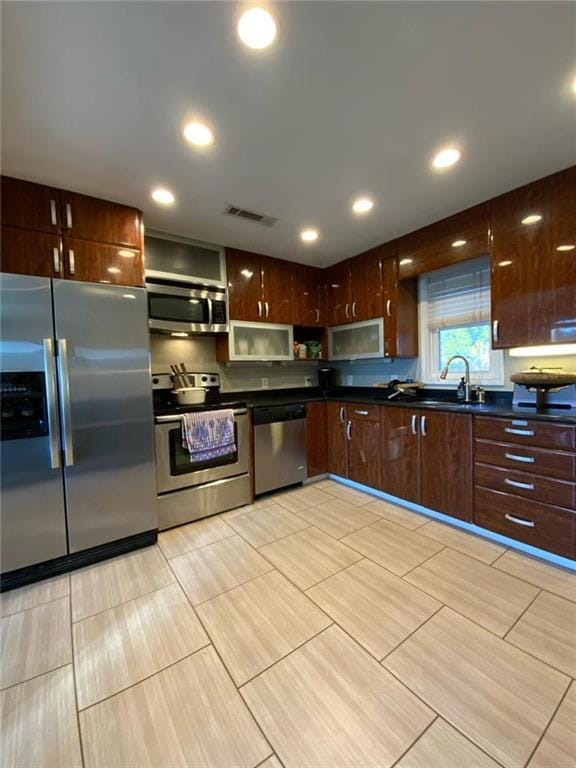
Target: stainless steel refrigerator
x,y
77,455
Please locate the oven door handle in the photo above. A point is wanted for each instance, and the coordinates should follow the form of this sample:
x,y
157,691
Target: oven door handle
x,y
178,417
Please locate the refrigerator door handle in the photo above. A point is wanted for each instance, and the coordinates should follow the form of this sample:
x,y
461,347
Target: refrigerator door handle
x,y
51,403
64,376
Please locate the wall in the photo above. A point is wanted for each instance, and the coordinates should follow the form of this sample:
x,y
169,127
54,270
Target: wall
x,y
198,353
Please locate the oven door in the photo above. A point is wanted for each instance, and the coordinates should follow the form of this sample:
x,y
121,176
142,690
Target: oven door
x,y
175,471
186,310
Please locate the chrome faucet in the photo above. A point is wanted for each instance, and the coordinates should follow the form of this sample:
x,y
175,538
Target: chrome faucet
x,y
467,398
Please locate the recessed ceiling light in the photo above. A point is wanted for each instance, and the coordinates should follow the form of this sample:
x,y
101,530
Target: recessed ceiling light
x,y
504,263
446,157
405,261
257,28
198,134
179,334
362,205
567,247
459,243
533,218
309,235
114,270
126,254
163,196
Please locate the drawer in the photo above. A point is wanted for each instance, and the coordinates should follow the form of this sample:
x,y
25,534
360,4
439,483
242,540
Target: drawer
x,y
526,432
363,412
541,525
540,461
527,484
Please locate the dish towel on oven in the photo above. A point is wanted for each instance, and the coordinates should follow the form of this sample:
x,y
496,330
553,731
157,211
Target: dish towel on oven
x,y
208,435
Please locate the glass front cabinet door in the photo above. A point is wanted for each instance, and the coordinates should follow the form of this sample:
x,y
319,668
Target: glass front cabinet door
x,y
260,341
357,341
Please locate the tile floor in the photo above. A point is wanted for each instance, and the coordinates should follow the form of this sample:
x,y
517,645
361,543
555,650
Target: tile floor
x,y
316,628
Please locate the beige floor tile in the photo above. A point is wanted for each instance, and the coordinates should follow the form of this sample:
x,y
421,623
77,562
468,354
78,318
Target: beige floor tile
x,y
188,715
185,538
443,747
489,597
34,594
115,581
550,577
123,645
211,570
325,485
351,495
394,513
264,501
338,517
254,625
558,747
309,556
267,524
302,498
498,696
39,723
35,641
468,543
548,630
393,546
272,762
328,704
377,608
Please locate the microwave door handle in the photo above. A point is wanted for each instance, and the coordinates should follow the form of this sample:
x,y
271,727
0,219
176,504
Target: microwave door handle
x,y
209,302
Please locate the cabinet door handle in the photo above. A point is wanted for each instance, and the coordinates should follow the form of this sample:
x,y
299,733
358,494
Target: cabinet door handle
x,y
524,432
341,416
423,425
388,308
353,309
71,261
495,330
413,424
349,430
317,315
69,215
519,521
267,308
347,310
259,309
361,413
515,457
518,484
56,257
53,219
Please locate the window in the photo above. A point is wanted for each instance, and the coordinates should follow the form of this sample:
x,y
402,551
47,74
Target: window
x,y
455,320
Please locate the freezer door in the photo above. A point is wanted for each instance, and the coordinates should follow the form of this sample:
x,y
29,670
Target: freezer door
x,y
106,405
32,514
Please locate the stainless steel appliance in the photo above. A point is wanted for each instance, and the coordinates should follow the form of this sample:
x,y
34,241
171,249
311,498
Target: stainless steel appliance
x,y
77,446
279,446
191,490
186,309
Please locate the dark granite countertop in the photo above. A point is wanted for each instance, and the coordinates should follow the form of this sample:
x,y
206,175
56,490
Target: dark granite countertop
x,y
499,403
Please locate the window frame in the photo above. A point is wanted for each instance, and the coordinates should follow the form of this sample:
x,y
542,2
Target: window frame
x,y
430,343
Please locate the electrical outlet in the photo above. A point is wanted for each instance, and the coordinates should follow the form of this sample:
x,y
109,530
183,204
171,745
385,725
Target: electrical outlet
x,y
308,381
265,382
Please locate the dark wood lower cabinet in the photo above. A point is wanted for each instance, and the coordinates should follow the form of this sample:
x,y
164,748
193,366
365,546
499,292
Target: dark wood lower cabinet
x,y
364,451
27,252
337,443
316,438
446,463
400,453
101,263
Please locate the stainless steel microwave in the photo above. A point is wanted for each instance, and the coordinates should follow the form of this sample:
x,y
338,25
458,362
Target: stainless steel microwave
x,y
184,261
186,309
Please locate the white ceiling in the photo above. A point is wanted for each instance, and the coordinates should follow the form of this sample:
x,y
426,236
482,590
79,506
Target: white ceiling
x,y
354,98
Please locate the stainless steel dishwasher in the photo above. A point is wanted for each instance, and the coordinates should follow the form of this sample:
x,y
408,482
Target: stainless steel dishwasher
x,y
279,446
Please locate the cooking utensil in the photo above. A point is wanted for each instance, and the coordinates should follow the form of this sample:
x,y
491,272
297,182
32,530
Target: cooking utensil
x,y
542,381
185,376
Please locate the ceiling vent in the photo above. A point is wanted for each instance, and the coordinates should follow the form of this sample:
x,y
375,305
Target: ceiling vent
x,y
257,218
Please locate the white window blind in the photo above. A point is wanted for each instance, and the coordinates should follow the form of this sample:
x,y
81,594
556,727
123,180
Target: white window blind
x,y
458,297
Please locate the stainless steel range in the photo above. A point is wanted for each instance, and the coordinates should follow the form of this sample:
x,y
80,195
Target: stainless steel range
x,y
190,490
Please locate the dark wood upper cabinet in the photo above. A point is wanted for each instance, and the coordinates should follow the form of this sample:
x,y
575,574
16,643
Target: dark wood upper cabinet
x,y
366,286
400,307
102,263
337,443
88,218
446,463
338,291
29,252
317,438
276,290
458,238
307,307
533,266
30,206
400,453
244,285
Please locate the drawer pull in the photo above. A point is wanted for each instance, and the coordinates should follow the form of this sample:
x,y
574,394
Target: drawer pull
x,y
413,424
525,432
519,521
341,414
515,457
361,413
518,484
